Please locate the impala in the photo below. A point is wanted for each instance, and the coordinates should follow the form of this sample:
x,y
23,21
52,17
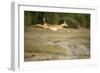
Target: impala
x,y
52,27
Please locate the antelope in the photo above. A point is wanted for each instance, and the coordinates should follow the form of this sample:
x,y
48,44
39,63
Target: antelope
x,y
52,27
57,27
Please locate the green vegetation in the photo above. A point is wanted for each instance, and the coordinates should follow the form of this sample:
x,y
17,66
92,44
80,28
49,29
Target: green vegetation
x,y
74,20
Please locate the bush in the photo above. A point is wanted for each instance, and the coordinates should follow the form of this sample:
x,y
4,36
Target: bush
x,y
72,22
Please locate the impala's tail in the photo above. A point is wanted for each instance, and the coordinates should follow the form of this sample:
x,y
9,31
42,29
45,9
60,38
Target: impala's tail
x,y
64,24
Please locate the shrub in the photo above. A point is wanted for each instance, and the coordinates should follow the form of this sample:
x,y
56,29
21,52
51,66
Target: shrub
x,y
72,22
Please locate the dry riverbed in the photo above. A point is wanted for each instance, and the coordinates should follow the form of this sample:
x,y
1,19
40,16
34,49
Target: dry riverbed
x,y
44,44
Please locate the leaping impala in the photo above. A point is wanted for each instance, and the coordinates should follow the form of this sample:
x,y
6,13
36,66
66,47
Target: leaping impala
x,y
52,27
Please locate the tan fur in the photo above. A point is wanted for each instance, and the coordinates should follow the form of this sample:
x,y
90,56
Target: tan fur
x,y
52,27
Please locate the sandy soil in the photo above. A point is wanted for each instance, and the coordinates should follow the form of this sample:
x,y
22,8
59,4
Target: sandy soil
x,y
76,43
